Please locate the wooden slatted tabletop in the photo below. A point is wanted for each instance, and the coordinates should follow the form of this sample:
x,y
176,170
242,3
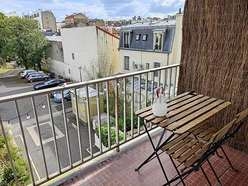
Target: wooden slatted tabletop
x,y
185,111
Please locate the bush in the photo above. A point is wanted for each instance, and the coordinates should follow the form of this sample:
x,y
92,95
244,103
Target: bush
x,y
104,134
20,165
128,123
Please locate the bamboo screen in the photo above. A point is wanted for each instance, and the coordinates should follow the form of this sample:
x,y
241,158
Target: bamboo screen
x,y
215,56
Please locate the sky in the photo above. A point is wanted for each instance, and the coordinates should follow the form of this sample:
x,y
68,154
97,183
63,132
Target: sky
x,y
104,9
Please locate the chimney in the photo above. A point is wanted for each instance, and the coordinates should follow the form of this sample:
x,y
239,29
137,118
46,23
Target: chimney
x,y
180,11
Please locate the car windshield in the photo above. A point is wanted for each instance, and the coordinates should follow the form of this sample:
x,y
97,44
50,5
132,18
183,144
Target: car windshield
x,y
49,82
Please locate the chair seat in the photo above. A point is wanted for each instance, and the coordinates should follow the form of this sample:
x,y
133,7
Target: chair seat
x,y
184,149
204,132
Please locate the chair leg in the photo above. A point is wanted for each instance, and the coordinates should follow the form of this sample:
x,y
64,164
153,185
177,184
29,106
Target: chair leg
x,y
228,160
181,178
215,174
205,175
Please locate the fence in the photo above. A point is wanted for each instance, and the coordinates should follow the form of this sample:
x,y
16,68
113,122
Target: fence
x,y
56,135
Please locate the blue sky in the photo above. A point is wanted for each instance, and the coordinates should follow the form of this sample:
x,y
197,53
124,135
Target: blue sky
x,y
105,9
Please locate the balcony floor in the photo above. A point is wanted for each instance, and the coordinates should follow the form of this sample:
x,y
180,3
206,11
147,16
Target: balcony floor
x,y
119,170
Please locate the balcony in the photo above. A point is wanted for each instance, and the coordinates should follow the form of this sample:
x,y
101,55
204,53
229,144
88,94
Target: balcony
x,y
81,141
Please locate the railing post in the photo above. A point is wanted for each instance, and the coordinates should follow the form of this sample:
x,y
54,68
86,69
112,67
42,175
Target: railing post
x,y
116,115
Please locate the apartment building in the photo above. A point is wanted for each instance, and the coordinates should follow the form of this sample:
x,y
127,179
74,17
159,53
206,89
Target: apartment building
x,y
84,53
151,44
45,19
76,20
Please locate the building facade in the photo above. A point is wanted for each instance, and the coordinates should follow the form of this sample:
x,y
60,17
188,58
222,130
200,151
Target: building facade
x,y
76,20
84,53
150,45
46,20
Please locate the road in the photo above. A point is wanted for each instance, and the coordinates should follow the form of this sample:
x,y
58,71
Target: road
x,y
8,113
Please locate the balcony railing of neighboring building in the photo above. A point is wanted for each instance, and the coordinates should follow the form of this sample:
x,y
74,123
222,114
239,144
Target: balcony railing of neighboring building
x,y
55,138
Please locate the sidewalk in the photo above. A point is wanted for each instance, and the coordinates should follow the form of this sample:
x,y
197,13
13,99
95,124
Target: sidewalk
x,y
10,73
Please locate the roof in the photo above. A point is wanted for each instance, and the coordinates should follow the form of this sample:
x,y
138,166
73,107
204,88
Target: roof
x,y
144,25
75,14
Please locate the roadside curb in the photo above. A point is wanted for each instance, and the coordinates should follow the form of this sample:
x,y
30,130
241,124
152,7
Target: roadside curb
x,y
9,76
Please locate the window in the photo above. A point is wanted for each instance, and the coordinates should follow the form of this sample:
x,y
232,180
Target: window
x,y
73,56
158,37
138,36
145,36
156,65
126,38
147,65
126,62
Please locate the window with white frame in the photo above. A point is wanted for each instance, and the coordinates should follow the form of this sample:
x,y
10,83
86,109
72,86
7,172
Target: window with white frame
x,y
145,37
126,39
126,62
137,37
158,41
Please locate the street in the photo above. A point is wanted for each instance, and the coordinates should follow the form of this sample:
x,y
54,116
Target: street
x,y
10,119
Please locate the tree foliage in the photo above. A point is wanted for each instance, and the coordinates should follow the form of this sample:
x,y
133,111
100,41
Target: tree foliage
x,y
22,40
20,165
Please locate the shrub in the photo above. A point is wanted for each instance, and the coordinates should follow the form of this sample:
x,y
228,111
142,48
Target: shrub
x,y
104,134
20,165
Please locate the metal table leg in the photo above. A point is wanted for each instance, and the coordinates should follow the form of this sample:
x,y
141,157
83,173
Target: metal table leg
x,y
155,152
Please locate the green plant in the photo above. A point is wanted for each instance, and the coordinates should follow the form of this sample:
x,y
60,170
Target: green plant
x,y
104,134
128,123
20,165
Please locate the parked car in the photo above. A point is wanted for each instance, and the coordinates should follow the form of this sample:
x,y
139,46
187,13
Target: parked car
x,y
35,73
37,77
25,72
57,96
48,84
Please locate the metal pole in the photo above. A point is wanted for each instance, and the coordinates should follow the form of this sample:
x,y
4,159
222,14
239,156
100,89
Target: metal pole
x,y
132,107
108,114
54,133
25,143
66,129
99,116
124,108
39,134
88,119
175,82
169,94
78,127
116,115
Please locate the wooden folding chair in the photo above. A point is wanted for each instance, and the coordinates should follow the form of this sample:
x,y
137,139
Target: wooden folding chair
x,y
205,132
192,152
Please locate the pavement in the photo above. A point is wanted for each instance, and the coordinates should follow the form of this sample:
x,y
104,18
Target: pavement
x,y
15,85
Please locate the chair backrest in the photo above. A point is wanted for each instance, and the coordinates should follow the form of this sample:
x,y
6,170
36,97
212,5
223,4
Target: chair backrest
x,y
219,137
220,134
240,118
231,128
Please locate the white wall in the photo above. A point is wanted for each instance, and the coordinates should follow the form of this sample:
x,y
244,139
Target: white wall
x,y
83,43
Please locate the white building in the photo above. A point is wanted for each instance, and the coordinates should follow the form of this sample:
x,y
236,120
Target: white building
x,y
83,53
150,45
46,20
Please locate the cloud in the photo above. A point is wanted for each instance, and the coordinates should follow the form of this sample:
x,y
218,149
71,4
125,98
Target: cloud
x,y
106,9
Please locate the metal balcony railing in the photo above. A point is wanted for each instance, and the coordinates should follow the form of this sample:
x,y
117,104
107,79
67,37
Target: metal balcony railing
x,y
94,117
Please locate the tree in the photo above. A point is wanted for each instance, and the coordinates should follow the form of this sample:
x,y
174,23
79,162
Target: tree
x,y
22,40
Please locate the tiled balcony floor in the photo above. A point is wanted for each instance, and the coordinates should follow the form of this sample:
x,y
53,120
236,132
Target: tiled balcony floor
x,y
119,170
